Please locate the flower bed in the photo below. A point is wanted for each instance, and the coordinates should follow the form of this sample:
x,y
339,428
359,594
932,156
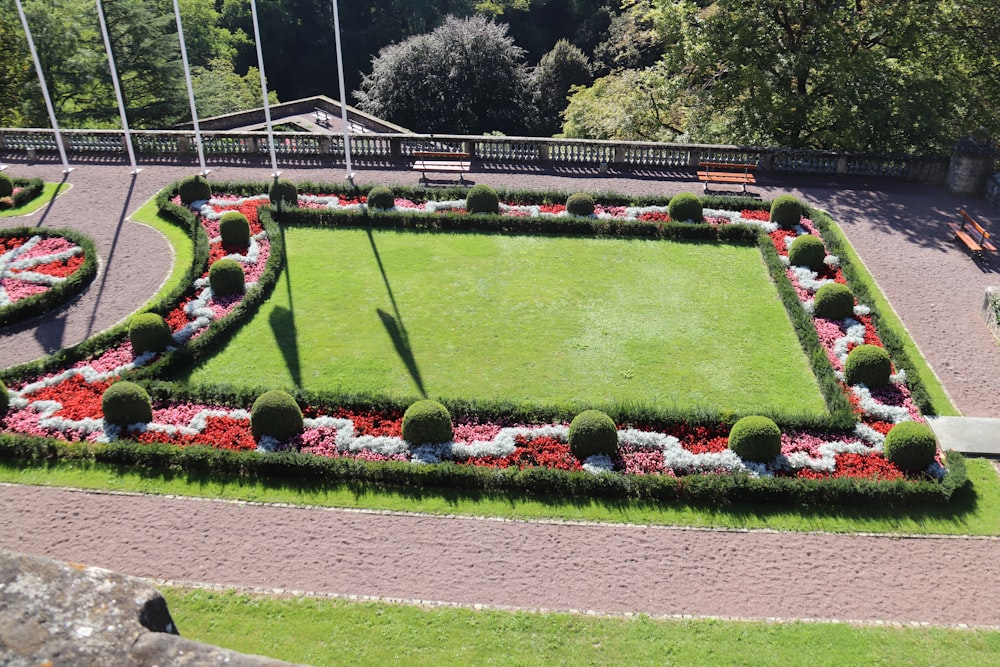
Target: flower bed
x,y
66,404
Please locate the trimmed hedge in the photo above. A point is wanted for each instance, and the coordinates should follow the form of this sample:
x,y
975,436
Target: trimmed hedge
x,y
4,399
31,188
685,207
911,446
581,204
427,423
234,229
149,332
6,185
125,403
194,188
787,211
275,413
283,194
482,199
591,433
226,277
834,301
755,438
381,197
868,365
807,250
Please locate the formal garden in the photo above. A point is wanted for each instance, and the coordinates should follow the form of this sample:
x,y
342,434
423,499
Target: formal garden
x,y
584,345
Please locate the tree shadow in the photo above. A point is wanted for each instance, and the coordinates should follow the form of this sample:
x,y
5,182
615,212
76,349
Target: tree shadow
x,y
394,326
282,321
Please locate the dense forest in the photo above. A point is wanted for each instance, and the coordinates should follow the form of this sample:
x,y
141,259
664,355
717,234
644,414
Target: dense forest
x,y
872,75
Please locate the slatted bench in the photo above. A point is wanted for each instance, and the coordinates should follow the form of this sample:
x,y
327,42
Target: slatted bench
x,y
441,161
972,234
726,172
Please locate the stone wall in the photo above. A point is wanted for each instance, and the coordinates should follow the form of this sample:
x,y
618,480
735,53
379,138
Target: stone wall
x,y
54,613
993,191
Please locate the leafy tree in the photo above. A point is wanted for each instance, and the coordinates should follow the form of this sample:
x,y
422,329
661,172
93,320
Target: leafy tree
x,y
467,76
631,105
559,70
14,71
219,90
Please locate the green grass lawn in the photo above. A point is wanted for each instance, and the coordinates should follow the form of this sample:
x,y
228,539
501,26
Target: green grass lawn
x,y
49,192
324,632
182,244
536,319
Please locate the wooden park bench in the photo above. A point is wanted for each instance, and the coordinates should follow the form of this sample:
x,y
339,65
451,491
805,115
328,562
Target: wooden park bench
x,y
322,117
726,172
971,233
441,161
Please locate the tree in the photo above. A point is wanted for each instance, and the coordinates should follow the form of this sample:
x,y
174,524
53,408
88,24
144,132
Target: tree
x,y
465,77
557,72
219,90
14,71
631,105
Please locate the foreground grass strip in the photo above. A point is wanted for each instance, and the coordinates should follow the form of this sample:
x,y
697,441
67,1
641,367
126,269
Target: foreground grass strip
x,y
523,318
322,632
973,511
49,192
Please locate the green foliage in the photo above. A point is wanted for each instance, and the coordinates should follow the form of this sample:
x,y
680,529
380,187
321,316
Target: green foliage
x,y
4,399
629,105
226,277
834,301
559,70
755,438
684,207
482,199
581,204
381,197
427,422
14,71
592,432
868,365
149,332
234,229
194,188
283,194
807,250
6,185
275,413
786,211
125,403
911,446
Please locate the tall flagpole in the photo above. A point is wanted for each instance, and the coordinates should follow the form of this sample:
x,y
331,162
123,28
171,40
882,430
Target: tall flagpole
x,y
118,88
190,90
343,96
45,89
263,86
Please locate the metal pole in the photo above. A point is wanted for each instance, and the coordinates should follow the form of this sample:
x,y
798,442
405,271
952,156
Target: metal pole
x,y
343,96
263,86
117,85
190,90
45,89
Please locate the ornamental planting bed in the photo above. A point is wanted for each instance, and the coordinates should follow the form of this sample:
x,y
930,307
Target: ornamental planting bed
x,y
65,403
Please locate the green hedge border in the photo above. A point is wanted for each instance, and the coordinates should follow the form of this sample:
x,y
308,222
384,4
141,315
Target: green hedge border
x,y
33,188
57,295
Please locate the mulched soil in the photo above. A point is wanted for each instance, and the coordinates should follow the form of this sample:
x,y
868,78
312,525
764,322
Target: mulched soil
x,y
897,228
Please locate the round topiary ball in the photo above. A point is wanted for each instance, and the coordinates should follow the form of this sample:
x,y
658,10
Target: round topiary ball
x,y
226,277
786,211
234,229
194,188
381,197
283,194
868,365
685,207
275,413
4,399
125,403
756,439
6,185
911,446
149,332
482,199
580,203
834,301
592,432
427,423
807,250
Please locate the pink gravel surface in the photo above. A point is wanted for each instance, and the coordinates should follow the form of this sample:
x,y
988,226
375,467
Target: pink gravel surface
x,y
529,565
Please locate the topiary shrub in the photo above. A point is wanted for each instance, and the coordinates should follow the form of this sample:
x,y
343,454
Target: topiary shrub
x,y
381,197
482,199
580,203
4,399
868,365
275,413
194,188
834,301
226,277
756,439
125,403
283,194
234,229
149,332
6,185
592,432
807,250
427,423
685,207
786,211
910,446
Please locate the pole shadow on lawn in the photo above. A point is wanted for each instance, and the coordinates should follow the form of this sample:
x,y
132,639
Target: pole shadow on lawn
x,y
282,321
393,324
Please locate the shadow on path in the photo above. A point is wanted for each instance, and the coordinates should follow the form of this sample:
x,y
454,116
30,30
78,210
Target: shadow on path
x,y
394,326
55,195
282,321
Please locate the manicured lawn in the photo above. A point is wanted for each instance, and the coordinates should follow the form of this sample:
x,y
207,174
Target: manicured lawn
x,y
322,632
537,319
49,192
183,247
